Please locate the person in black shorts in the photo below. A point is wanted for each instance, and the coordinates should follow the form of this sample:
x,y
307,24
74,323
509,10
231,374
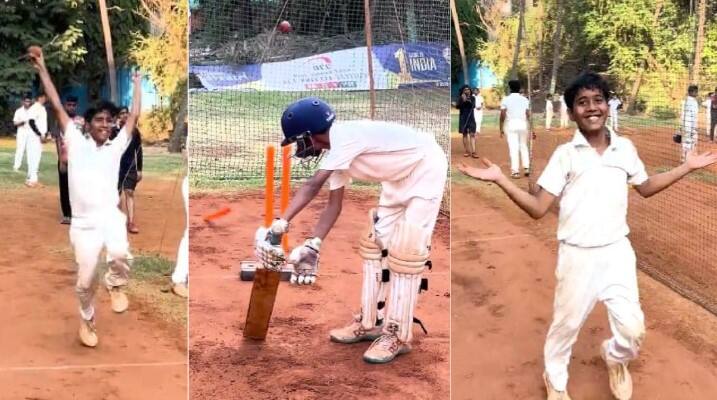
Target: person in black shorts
x,y
466,120
130,172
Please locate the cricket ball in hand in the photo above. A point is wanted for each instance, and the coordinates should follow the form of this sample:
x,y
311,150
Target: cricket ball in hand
x,y
34,51
284,26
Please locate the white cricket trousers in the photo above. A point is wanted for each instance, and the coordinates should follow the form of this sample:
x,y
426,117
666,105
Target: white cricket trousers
x,y
564,119
88,239
34,153
548,118
20,144
584,277
181,269
613,120
518,148
478,115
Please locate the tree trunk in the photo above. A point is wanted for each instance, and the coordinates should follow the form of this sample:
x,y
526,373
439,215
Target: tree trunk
x,y
180,128
459,38
630,103
556,47
699,42
518,41
111,70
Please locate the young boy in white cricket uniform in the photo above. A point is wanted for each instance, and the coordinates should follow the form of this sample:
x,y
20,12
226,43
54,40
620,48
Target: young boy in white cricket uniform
x,y
688,121
563,112
596,261
478,111
97,222
20,120
395,246
515,125
614,104
35,138
548,111
181,269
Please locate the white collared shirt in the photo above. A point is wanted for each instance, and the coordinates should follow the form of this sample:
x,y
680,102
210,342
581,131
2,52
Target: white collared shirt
x,y
515,106
478,100
23,114
39,114
594,189
373,151
614,104
92,175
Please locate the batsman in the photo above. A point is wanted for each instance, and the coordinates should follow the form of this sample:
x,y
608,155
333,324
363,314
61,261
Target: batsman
x,y
395,245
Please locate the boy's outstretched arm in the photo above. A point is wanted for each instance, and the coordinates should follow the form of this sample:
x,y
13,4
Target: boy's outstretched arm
x,y
38,62
136,104
536,205
306,193
657,183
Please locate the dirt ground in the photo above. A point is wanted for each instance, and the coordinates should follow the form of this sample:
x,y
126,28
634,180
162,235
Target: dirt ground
x,y
503,267
297,360
138,357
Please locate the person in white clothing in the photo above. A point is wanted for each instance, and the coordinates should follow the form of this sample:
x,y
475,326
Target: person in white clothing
x,y
563,112
93,165
479,103
614,104
548,111
20,120
688,121
38,133
596,262
181,269
515,125
412,169
707,104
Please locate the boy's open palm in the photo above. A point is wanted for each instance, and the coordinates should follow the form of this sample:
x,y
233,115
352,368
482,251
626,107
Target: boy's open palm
x,y
490,173
697,161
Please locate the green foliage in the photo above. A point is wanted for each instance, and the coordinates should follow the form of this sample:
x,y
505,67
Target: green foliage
x,y
70,33
474,36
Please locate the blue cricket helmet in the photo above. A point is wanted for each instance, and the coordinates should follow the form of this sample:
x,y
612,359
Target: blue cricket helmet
x,y
309,115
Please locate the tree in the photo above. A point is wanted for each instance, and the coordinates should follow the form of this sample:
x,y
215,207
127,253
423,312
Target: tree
x,y
459,39
518,41
556,47
699,42
473,32
163,55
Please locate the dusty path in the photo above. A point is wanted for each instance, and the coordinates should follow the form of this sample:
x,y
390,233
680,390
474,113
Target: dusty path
x,y
138,357
503,266
297,361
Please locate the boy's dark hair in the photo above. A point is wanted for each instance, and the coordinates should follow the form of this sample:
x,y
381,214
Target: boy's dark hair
x,y
27,96
102,106
692,89
588,80
460,92
71,99
514,86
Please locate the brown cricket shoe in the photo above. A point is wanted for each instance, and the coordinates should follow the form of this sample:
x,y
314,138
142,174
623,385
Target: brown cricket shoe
x,y
118,298
88,333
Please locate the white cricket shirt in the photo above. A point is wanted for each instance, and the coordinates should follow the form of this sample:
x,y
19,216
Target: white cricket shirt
x,y
563,104
594,189
515,107
92,175
613,104
690,109
385,152
23,114
39,114
478,100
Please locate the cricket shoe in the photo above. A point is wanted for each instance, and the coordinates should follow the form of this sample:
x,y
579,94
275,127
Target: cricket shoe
x,y
88,333
355,332
620,379
118,298
386,348
180,290
552,393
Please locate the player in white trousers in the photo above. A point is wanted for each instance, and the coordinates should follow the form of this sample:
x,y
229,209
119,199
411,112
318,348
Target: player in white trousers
x,y
479,102
596,262
97,222
515,125
33,146
563,112
548,111
688,121
181,269
614,105
20,120
412,169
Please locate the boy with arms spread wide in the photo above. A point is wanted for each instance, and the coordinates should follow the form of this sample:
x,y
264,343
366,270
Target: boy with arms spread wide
x,y
596,261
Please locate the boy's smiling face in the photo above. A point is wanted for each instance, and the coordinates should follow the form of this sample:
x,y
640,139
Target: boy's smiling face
x,y
590,110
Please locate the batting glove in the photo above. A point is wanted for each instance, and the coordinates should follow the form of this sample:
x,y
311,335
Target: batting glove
x,y
305,260
270,256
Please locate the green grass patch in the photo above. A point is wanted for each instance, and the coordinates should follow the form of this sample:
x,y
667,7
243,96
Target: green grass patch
x,y
149,282
166,165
